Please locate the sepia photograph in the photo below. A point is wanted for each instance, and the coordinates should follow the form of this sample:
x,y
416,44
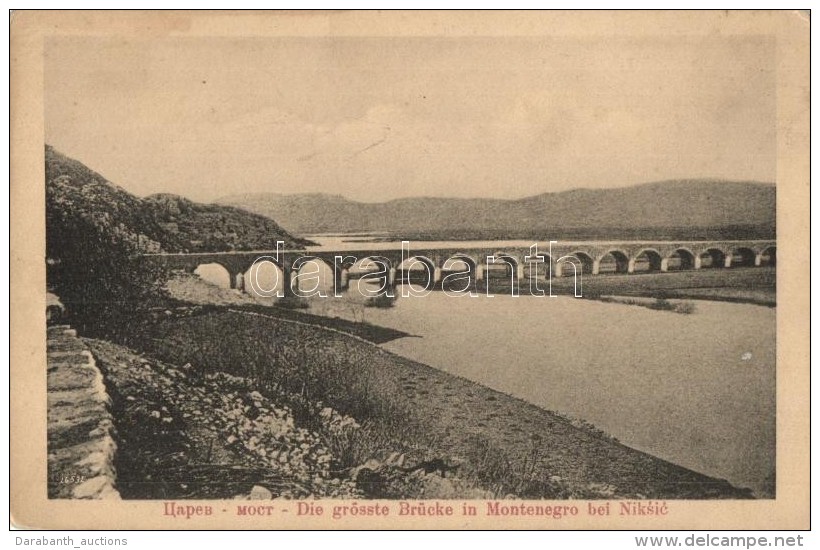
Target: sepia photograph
x,y
356,270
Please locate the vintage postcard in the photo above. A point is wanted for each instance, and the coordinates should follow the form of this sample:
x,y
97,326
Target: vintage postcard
x,y
400,270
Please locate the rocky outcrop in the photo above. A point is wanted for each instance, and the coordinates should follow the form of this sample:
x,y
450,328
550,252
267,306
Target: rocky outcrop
x,y
185,433
81,443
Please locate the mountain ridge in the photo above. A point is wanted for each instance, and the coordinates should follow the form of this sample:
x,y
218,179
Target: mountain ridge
x,y
689,206
225,199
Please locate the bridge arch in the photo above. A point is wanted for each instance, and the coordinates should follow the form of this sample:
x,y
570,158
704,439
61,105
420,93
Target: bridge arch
x,y
371,271
455,270
539,269
768,256
743,256
460,262
451,263
712,257
264,278
312,274
417,270
614,260
646,260
370,263
505,266
582,263
680,259
216,274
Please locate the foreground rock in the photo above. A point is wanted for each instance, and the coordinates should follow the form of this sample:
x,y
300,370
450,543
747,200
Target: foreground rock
x,y
188,434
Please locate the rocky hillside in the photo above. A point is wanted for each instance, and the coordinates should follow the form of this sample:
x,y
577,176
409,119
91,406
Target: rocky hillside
x,y
675,209
157,223
96,230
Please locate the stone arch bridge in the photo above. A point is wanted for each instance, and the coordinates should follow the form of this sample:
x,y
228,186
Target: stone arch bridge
x,y
394,263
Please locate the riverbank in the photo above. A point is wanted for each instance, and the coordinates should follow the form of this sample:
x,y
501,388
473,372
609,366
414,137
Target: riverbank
x,y
624,375
490,441
749,285
189,289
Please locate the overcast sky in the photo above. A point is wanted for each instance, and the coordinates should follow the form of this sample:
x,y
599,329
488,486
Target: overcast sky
x,y
380,118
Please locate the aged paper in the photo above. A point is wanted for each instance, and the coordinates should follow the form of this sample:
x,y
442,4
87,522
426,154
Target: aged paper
x,y
399,270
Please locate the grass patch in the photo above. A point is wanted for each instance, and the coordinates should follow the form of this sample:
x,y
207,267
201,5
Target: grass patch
x,y
752,285
292,302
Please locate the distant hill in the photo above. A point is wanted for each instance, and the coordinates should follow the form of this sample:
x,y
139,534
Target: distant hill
x,y
670,209
156,223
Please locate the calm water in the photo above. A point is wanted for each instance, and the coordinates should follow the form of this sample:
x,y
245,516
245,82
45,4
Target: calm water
x,y
698,390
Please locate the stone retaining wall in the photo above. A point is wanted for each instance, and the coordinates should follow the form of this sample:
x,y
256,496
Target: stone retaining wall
x,y
81,444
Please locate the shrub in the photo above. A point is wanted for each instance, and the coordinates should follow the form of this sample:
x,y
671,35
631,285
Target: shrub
x,y
662,304
382,300
293,302
685,308
592,295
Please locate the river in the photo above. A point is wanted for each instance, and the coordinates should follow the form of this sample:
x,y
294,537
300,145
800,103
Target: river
x,y
697,389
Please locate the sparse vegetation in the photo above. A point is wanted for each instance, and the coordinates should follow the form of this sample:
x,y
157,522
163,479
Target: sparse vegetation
x,y
685,308
659,303
753,285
